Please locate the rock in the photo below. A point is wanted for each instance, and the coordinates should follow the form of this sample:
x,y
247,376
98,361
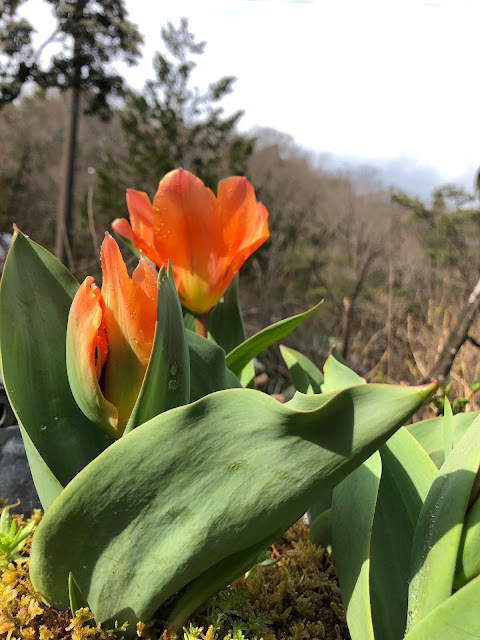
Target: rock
x,y
15,478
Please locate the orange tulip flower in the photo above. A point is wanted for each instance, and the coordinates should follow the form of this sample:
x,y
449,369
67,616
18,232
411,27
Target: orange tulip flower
x,y
206,238
109,339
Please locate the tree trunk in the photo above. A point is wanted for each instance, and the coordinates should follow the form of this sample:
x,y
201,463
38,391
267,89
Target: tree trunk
x,y
458,336
349,303
66,196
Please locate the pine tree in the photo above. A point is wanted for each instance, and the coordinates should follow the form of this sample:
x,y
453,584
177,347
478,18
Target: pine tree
x,y
172,124
92,33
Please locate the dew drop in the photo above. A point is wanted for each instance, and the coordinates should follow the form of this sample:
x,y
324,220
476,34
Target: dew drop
x,y
43,427
172,385
173,369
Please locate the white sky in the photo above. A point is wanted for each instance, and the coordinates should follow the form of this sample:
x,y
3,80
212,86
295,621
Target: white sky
x,y
370,79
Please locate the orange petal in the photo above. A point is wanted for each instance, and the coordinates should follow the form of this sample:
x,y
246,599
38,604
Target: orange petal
x,y
142,219
86,342
188,232
244,221
254,238
122,226
245,226
130,316
146,278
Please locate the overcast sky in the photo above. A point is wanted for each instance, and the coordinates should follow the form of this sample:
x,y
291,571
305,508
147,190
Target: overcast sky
x,y
390,82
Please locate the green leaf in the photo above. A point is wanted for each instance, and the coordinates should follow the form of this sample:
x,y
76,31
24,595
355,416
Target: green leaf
x,y
407,475
225,322
336,354
167,380
429,433
468,560
208,371
458,618
197,484
239,357
353,509
35,297
437,535
307,378
75,596
448,428
338,376
321,529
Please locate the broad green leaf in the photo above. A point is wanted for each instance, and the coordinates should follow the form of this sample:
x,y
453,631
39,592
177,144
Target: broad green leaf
x,y
166,384
226,328
407,475
197,484
225,322
321,529
239,357
338,376
322,505
353,510
429,433
302,402
458,618
448,428
468,561
35,297
247,376
208,371
307,378
439,527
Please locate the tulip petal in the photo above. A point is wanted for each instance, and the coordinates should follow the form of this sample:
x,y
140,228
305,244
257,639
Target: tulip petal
x,y
206,239
141,233
146,278
188,232
85,340
130,315
244,220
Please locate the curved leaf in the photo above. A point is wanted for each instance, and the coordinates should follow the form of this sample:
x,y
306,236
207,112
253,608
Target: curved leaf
x,y
439,527
166,384
353,510
208,371
458,618
468,561
197,484
430,435
239,357
407,475
307,378
35,297
338,376
225,322
321,528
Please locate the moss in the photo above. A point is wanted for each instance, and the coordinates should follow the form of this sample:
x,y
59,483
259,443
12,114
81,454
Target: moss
x,y
298,598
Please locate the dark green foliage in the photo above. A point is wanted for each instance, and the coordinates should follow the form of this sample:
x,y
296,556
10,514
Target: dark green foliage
x,y
101,32
172,124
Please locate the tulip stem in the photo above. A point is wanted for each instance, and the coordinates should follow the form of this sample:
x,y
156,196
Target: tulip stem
x,y
201,324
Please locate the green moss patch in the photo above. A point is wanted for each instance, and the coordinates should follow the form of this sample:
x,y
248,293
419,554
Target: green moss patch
x,y
298,598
